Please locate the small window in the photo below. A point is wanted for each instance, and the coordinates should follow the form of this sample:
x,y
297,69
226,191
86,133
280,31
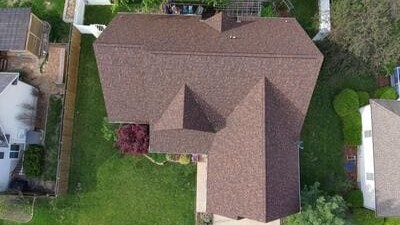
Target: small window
x,y
370,176
14,155
368,133
1,155
14,147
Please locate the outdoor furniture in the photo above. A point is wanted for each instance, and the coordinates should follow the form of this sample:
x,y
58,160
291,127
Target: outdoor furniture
x,y
183,9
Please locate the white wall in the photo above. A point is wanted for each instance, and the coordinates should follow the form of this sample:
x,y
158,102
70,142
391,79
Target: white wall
x,y
366,160
80,8
11,100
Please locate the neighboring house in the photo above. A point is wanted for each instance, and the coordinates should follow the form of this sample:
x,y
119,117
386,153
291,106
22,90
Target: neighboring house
x,y
236,91
17,117
395,80
22,33
379,157
74,12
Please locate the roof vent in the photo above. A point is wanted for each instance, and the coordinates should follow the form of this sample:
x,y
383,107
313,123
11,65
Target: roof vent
x,y
232,37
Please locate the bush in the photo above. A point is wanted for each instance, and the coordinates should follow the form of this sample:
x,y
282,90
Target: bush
x,y
355,198
363,98
352,128
366,217
268,11
133,139
184,159
387,93
108,131
215,3
33,161
346,102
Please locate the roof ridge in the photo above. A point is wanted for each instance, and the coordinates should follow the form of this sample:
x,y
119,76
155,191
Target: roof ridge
x,y
233,54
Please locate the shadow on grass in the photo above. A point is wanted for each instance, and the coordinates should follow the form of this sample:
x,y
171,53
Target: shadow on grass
x,y
322,156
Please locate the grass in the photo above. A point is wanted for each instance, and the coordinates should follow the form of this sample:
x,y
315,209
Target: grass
x,y
50,11
52,138
321,158
107,188
306,12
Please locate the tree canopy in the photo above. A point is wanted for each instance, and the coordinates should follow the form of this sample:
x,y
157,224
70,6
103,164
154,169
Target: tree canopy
x,y
370,30
133,139
318,208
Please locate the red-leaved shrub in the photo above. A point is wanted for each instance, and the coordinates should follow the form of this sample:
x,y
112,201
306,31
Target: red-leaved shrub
x,y
133,139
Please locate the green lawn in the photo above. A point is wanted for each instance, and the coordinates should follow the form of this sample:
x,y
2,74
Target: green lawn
x,y
114,189
52,138
321,158
48,10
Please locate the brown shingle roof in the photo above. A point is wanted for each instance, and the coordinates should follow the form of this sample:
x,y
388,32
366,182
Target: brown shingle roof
x,y
241,100
385,127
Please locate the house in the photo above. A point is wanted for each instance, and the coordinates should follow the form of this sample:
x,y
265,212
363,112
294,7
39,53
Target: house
x,y
234,90
18,105
395,80
22,33
378,157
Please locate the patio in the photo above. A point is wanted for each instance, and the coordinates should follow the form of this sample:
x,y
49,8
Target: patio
x,y
45,75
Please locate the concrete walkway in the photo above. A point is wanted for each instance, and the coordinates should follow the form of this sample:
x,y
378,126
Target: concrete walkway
x,y
220,220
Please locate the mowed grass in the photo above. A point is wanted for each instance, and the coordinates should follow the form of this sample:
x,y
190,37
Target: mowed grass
x,y
109,189
322,156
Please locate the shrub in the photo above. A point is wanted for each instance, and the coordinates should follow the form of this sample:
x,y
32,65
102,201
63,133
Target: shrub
x,y
366,217
33,161
184,159
133,139
318,208
385,93
355,198
352,128
346,102
363,98
108,131
268,11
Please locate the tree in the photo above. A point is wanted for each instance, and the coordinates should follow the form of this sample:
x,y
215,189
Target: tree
x,y
370,30
318,208
133,139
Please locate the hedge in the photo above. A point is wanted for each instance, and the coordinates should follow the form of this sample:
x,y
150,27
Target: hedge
x,y
33,161
363,98
352,128
346,102
355,198
385,93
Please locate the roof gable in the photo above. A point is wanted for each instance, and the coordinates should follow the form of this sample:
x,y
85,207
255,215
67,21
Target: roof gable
x,y
6,79
184,113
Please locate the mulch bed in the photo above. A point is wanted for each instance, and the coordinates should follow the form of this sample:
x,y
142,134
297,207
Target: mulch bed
x,y
349,153
383,81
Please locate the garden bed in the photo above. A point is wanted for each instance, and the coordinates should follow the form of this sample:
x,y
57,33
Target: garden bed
x,y
52,138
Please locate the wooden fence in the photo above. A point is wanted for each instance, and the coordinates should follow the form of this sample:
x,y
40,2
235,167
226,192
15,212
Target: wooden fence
x,y
64,156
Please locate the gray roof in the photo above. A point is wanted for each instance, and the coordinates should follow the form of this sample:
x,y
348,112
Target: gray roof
x,y
14,28
386,132
6,79
34,137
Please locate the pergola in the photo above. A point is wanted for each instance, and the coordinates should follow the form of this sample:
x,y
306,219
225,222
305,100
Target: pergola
x,y
244,8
